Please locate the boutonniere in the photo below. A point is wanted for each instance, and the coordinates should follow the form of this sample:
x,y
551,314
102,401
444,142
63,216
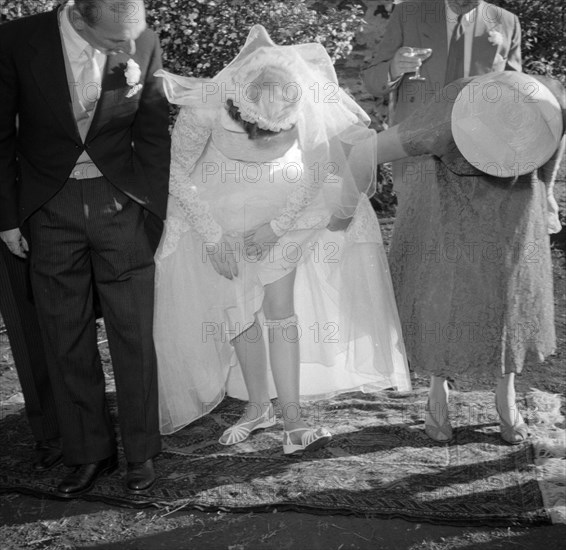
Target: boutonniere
x,y
133,75
495,37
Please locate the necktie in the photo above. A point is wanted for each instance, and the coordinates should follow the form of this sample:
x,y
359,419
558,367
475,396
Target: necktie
x,y
455,61
89,81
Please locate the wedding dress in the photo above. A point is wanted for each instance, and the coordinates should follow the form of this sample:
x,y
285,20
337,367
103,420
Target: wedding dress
x,y
223,183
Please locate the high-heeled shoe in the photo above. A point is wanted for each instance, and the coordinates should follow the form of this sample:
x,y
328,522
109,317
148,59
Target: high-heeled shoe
x,y
240,432
439,432
512,433
310,440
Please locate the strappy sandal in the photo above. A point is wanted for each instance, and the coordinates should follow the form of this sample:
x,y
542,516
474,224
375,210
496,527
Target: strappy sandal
x,y
310,440
241,431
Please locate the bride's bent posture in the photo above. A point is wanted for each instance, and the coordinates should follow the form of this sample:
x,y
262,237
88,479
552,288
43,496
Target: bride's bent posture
x,y
272,254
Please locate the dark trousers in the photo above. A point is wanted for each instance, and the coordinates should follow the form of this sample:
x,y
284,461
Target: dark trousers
x,y
91,234
18,311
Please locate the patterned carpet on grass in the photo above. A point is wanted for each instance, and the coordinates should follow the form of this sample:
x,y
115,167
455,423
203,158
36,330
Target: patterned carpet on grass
x,y
380,463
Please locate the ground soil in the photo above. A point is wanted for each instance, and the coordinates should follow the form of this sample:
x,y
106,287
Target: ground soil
x,y
41,524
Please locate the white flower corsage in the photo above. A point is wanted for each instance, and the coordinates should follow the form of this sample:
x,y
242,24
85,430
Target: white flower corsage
x,y
495,37
133,75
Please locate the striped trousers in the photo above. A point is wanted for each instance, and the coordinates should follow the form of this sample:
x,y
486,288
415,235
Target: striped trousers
x,y
88,235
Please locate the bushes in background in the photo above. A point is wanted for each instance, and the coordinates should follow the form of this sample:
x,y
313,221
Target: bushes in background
x,y
199,37
543,25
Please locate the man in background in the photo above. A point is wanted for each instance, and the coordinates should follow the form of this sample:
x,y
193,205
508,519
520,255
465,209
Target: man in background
x,y
467,38
20,318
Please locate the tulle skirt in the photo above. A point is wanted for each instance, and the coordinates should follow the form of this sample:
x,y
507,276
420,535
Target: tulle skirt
x,y
349,330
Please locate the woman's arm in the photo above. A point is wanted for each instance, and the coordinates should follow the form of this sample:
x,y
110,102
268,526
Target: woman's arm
x,y
188,142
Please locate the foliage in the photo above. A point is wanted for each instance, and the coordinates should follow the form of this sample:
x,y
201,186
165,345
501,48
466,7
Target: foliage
x,y
13,9
384,200
199,37
543,25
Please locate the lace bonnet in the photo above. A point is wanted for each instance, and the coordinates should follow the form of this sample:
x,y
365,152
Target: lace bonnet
x,y
267,90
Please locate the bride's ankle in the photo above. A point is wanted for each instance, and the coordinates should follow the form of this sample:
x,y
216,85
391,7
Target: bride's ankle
x,y
296,437
297,425
254,410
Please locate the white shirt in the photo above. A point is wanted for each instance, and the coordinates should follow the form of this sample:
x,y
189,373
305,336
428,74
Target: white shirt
x,y
468,24
75,46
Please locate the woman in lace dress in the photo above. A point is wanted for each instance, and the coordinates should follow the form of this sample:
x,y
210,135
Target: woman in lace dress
x,y
470,261
271,254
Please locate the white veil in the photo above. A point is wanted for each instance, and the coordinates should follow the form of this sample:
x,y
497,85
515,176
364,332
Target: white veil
x,y
283,86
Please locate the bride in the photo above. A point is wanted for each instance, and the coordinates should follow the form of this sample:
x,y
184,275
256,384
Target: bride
x,y
272,255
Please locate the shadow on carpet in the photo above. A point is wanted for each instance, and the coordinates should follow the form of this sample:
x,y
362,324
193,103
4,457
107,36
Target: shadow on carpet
x,y
380,463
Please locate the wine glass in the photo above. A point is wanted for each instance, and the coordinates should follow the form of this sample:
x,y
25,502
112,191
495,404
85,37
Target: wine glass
x,y
422,54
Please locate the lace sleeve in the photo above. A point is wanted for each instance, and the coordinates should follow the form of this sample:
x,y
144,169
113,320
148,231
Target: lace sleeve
x,y
298,200
188,142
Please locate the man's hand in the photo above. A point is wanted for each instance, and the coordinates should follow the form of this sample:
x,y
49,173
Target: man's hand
x,y
15,242
402,63
260,241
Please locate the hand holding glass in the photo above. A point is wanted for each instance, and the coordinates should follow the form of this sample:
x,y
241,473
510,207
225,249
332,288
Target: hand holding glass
x,y
422,54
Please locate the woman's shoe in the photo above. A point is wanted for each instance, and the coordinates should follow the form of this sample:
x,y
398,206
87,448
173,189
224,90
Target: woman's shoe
x,y
240,432
440,432
512,433
310,440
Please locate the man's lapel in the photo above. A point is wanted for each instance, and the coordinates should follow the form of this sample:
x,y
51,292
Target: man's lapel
x,y
433,35
48,68
112,82
113,93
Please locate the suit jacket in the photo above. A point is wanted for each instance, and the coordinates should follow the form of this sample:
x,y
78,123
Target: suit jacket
x,y
128,139
423,24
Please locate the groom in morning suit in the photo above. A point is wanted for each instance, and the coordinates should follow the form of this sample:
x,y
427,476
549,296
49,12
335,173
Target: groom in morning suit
x,y
467,38
86,172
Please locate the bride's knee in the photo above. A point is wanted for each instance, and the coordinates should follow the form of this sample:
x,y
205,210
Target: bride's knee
x,y
278,302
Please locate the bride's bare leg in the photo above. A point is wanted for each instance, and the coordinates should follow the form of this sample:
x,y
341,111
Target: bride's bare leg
x,y
278,305
284,356
250,350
